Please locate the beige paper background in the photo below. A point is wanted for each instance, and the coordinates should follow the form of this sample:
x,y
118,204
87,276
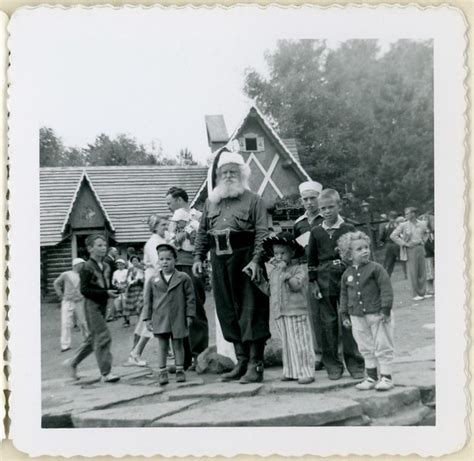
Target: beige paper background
x,y
8,452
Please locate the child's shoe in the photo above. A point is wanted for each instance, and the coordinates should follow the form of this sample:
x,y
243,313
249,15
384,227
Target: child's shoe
x,y
163,377
385,384
366,385
418,298
180,376
286,378
308,380
110,378
135,360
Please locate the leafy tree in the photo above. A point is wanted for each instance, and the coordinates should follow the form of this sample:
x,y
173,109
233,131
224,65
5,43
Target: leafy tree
x,y
363,119
123,150
51,148
185,157
74,157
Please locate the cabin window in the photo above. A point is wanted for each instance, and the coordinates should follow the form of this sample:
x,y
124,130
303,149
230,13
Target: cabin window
x,y
250,144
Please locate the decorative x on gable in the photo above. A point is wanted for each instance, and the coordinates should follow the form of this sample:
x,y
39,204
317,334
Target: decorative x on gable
x,y
267,174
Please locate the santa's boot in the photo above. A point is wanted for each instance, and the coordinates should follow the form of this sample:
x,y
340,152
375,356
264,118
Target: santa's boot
x,y
242,354
255,368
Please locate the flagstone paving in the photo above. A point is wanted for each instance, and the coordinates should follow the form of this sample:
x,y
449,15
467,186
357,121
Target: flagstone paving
x,y
214,404
137,416
137,399
267,410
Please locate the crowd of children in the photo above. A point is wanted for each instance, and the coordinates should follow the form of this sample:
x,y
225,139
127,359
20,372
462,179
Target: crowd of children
x,y
334,267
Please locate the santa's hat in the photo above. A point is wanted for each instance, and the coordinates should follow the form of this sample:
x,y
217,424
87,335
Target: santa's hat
x,y
223,156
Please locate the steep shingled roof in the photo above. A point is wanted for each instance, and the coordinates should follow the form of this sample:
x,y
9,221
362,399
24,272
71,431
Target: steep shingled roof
x,y
290,144
287,147
129,194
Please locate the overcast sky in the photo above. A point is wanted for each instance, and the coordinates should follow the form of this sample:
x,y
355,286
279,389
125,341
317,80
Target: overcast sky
x,y
149,82
147,75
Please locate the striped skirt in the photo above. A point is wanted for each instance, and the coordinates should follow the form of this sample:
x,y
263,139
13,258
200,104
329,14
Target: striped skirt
x,y
297,344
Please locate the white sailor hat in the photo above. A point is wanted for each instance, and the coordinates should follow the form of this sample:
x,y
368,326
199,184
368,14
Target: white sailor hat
x,y
230,157
120,260
77,261
310,185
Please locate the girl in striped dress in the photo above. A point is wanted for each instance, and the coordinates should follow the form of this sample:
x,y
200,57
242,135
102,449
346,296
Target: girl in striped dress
x,y
287,287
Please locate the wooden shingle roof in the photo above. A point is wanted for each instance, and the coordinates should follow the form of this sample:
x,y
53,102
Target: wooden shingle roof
x,y
127,194
290,144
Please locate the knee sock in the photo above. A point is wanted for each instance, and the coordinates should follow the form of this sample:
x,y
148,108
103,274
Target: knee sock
x,y
372,373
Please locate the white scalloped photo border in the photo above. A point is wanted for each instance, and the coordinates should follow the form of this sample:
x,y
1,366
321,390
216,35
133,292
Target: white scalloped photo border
x,y
448,28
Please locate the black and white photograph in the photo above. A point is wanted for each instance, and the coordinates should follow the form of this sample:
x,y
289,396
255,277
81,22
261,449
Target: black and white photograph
x,y
237,223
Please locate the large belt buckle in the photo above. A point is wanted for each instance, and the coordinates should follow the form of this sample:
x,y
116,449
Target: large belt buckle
x,y
222,239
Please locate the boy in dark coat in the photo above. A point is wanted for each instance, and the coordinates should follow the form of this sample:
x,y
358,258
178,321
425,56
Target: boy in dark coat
x,y
325,269
170,308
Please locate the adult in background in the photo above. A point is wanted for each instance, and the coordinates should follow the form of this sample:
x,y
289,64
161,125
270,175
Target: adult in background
x,y
412,235
110,259
366,218
72,302
429,253
158,227
391,249
233,226
177,199
309,193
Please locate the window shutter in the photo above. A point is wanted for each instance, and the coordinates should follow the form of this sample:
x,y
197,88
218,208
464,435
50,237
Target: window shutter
x,y
260,144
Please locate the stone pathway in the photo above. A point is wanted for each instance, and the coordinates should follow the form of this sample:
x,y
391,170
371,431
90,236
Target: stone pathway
x,y
137,401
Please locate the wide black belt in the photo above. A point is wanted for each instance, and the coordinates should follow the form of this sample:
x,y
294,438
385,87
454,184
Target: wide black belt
x,y
226,240
332,265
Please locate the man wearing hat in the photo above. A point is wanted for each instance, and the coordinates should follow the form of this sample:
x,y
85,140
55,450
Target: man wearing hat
x,y
67,287
309,192
233,226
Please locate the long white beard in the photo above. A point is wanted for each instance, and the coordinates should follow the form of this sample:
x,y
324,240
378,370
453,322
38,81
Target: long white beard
x,y
226,190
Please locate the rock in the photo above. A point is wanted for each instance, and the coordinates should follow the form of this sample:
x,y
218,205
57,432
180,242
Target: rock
x,y
321,384
413,415
380,404
209,361
267,410
57,409
216,391
130,416
273,354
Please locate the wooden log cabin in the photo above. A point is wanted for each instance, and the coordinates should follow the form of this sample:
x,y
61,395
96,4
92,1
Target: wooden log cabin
x,y
276,171
117,200
114,200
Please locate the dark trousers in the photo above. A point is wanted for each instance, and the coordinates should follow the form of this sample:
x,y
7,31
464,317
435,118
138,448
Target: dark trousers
x,y
242,309
316,323
331,333
198,339
392,252
98,340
